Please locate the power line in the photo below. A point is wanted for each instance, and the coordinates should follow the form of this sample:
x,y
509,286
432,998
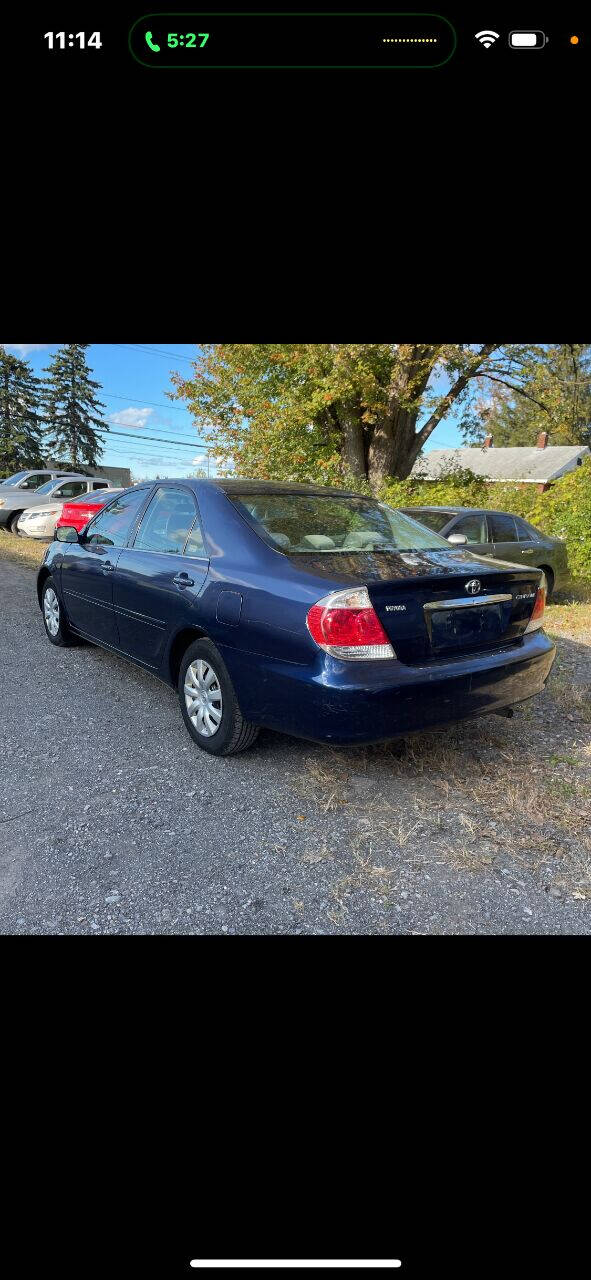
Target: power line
x,y
179,444
150,350
115,396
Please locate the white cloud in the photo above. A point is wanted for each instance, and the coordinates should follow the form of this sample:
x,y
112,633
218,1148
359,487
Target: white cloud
x,y
131,417
25,348
200,459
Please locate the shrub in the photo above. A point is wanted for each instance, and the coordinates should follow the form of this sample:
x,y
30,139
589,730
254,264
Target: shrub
x,y
564,511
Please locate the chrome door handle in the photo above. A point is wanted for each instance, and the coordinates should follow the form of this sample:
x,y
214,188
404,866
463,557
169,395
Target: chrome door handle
x,y
183,580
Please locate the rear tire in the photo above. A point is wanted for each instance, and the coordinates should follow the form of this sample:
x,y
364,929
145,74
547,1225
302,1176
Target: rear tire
x,y
209,705
54,621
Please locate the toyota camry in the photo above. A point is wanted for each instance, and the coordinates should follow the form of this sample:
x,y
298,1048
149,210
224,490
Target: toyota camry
x,y
317,612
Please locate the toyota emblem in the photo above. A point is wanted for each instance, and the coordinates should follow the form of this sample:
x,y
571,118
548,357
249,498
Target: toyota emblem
x,y
473,586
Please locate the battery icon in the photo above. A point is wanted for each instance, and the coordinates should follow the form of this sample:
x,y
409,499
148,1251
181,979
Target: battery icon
x,y
527,39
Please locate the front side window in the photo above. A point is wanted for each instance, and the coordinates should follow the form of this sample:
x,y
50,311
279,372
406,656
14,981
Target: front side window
x,y
295,523
167,522
502,527
38,482
473,528
112,527
71,489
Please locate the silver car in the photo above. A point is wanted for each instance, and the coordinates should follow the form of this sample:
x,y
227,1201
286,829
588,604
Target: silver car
x,y
13,502
31,480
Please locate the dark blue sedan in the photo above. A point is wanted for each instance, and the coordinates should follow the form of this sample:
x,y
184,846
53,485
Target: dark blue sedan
x,y
313,611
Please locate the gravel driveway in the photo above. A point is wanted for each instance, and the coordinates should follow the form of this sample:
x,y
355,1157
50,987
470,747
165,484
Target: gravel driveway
x,y
113,822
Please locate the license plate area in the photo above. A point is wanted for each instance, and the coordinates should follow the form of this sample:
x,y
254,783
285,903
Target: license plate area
x,y
462,624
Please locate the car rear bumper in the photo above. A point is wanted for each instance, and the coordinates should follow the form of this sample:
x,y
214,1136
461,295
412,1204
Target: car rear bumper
x,y
372,702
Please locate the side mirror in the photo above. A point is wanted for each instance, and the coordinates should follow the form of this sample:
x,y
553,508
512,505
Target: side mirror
x,y
458,539
67,533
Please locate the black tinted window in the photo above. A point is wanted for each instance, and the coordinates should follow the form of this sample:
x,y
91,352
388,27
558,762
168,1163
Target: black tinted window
x,y
166,522
502,528
525,531
472,527
35,482
112,526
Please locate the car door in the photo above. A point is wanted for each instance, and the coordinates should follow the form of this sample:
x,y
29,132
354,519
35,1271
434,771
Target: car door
x,y
530,549
504,536
160,574
475,529
88,566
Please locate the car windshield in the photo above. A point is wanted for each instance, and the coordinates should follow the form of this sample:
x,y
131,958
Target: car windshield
x,y
20,475
433,519
309,522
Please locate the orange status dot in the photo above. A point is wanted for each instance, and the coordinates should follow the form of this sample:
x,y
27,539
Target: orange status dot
x,y
574,39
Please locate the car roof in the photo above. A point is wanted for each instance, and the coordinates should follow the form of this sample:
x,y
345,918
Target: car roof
x,y
233,484
491,511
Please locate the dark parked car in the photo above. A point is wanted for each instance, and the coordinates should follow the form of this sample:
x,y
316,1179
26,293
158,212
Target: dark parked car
x,y
496,533
312,611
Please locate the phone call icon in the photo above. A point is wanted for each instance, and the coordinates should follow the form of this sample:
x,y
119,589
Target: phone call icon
x,y
151,43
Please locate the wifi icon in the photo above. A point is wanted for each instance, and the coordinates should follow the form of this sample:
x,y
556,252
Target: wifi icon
x,y
487,37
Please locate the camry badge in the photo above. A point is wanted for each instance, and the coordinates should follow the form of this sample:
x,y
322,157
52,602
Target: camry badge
x,y
473,586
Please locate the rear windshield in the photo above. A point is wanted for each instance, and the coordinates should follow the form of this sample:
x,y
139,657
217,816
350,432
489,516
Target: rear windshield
x,y
433,519
99,497
298,522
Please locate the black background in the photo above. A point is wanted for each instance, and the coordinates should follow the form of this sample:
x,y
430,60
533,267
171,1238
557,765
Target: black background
x,y
168,1098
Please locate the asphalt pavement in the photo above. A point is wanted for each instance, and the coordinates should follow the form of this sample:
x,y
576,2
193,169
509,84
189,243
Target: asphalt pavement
x,y
113,822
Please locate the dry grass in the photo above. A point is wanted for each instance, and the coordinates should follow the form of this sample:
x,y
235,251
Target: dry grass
x,y
478,793
25,551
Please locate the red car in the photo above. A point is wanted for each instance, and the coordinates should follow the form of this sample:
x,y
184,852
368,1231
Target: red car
x,y
80,510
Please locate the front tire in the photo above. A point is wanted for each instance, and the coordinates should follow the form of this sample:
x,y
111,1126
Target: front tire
x,y
13,522
56,627
209,705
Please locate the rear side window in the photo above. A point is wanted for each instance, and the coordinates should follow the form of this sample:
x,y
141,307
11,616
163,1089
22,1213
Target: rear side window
x,y
526,531
112,527
502,527
100,484
166,522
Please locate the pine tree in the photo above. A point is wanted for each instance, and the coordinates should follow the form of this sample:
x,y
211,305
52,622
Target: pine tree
x,y
71,407
21,436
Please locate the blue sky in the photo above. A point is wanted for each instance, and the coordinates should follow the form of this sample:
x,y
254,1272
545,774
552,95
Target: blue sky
x,y
135,378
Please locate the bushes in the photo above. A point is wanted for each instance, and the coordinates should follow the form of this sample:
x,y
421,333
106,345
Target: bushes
x,y
564,511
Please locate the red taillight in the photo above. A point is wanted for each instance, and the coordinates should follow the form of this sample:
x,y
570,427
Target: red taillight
x,y
537,612
345,624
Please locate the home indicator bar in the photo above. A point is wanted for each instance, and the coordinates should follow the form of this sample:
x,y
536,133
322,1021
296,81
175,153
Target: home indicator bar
x,y
299,1263
257,41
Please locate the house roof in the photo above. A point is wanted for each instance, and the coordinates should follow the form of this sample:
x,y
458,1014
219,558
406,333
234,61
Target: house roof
x,y
519,463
